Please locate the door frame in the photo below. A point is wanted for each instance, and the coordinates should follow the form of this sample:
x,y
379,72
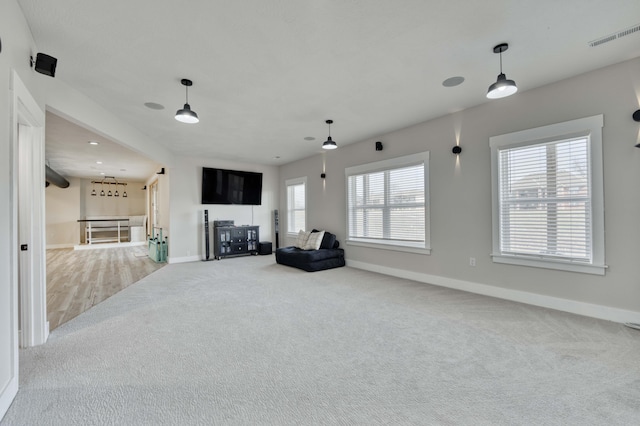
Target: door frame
x,y
152,194
23,109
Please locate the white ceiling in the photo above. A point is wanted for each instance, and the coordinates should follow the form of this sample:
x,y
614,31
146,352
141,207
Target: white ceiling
x,y
69,153
268,73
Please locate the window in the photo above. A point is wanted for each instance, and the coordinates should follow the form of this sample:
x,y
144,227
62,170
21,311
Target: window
x,y
296,205
548,198
388,204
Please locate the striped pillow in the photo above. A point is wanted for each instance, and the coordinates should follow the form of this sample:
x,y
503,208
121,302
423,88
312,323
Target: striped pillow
x,y
301,241
314,241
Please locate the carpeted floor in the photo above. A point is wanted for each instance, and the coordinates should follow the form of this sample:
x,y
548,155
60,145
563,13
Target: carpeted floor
x,y
244,341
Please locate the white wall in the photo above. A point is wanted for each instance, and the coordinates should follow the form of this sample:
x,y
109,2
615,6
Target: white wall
x,y
62,214
461,195
92,206
17,46
187,212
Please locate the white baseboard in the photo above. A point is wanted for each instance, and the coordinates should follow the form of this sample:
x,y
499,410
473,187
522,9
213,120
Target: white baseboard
x,y
108,245
184,259
59,246
572,306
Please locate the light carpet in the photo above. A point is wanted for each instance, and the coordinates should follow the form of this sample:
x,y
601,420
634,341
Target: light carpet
x,y
244,341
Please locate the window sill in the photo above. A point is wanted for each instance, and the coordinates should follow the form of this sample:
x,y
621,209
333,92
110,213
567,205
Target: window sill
x,y
390,246
550,264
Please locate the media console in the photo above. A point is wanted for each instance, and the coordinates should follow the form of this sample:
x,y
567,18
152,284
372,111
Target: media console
x,y
230,240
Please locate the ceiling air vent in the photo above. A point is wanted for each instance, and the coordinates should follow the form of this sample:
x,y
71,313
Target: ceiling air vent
x,y
619,34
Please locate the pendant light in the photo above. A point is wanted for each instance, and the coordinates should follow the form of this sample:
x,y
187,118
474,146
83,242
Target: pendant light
x,y
502,87
110,180
329,143
93,189
185,115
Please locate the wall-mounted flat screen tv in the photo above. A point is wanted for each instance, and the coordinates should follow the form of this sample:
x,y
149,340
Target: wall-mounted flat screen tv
x,y
220,186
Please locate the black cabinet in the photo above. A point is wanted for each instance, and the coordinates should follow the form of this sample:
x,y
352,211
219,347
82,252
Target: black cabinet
x,y
235,240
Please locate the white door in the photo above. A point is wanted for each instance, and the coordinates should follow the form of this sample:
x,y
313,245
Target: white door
x,y
27,119
32,254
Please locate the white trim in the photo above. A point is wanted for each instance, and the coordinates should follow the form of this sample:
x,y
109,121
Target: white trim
x,y
108,245
406,160
22,108
186,259
287,184
587,126
550,264
383,165
59,246
388,246
566,305
7,394
29,174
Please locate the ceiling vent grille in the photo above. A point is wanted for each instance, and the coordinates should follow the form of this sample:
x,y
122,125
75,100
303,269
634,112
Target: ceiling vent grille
x,y
619,34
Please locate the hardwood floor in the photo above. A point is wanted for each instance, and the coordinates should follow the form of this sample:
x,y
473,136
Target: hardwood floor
x,y
80,279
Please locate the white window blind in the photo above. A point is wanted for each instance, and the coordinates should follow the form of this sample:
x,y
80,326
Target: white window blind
x,y
548,196
545,200
388,204
296,205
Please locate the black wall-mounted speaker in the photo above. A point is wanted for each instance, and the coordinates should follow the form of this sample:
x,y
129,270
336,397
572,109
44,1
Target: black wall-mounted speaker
x,y
378,146
46,64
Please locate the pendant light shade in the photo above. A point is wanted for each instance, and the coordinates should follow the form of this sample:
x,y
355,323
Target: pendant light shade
x,y
329,143
503,87
186,115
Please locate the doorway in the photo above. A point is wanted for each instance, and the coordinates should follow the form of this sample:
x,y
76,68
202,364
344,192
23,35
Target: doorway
x,y
153,207
23,300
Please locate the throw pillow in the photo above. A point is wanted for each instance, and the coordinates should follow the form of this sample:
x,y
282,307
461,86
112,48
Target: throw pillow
x,y
301,241
314,241
328,240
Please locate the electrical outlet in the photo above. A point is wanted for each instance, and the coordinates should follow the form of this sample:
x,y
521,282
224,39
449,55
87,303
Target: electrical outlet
x,y
472,261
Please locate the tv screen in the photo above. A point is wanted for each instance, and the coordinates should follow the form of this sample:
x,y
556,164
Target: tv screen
x,y
220,186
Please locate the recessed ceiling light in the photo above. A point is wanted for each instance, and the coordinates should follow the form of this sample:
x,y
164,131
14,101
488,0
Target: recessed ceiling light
x,y
102,173
453,81
309,138
98,162
93,143
153,105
